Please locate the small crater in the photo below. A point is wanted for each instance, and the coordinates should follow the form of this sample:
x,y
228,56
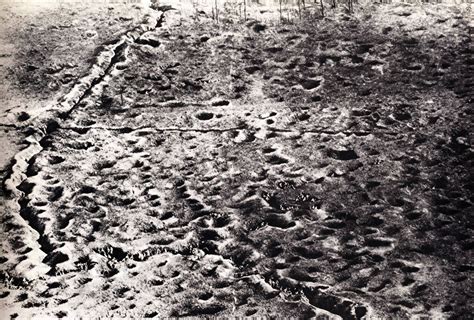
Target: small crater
x,y
410,42
387,30
56,160
372,184
110,272
54,285
84,263
364,48
250,312
151,314
252,69
209,235
26,187
157,282
466,268
364,92
83,281
361,112
308,253
410,269
204,116
87,189
274,251
326,232
104,164
204,38
402,115
47,143
166,215
111,252
377,242
356,59
373,221
63,220
381,286
268,150
194,204
55,193
414,215
55,257
275,220
414,67
303,117
205,296
300,275
310,84
258,27
343,155
219,103
335,224
120,292
209,309
221,221
23,116
274,49
276,160
148,40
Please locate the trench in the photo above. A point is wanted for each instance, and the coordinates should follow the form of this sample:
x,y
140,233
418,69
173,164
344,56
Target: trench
x,y
15,186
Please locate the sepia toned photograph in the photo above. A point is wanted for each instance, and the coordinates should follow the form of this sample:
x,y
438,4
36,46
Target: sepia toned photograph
x,y
236,159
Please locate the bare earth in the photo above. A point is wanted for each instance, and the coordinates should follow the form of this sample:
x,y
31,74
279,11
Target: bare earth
x,y
169,165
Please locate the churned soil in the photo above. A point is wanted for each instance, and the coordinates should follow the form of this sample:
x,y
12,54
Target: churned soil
x,y
318,168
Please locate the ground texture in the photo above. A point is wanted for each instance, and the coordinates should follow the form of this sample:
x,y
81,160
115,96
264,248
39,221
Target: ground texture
x,y
320,168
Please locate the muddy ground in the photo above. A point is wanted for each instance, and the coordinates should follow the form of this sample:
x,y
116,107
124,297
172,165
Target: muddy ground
x,y
193,168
